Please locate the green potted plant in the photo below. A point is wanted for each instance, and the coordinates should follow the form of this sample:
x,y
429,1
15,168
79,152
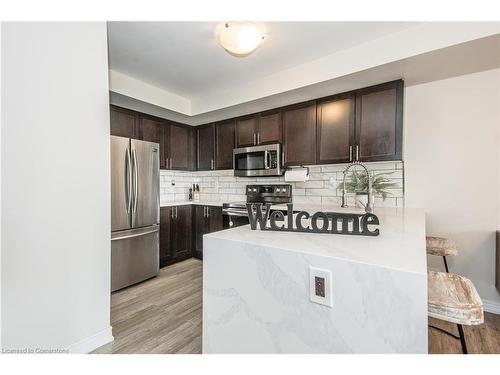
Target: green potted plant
x,y
357,183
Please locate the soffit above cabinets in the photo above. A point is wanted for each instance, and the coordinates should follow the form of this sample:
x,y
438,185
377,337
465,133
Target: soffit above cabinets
x,y
178,71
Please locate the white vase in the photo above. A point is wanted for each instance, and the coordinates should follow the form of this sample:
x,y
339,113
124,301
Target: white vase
x,y
362,200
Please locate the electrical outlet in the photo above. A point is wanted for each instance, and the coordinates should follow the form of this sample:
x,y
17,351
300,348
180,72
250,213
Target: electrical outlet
x,y
320,286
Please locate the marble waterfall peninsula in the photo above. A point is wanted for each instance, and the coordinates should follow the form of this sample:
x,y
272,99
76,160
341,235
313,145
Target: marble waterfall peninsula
x,y
262,303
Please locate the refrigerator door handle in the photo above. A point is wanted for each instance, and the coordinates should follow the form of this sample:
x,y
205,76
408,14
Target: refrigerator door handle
x,y
134,235
135,182
128,182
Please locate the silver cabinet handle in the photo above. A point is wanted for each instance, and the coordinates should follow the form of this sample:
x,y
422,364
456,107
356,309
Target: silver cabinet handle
x,y
357,152
176,212
128,176
212,164
208,211
350,153
258,138
172,213
254,142
135,182
204,211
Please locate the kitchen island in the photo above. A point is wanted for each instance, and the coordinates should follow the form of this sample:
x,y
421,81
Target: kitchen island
x,y
256,289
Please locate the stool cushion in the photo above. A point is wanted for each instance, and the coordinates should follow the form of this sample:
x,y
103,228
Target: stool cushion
x,y
453,298
440,246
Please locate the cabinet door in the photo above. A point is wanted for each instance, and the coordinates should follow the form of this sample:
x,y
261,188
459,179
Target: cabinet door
x,y
299,134
246,131
155,131
182,232
270,130
179,148
224,145
336,130
205,142
214,219
124,123
199,228
165,238
379,122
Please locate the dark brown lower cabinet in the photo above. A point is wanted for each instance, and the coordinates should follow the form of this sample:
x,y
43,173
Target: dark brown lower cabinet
x,y
175,234
206,219
182,229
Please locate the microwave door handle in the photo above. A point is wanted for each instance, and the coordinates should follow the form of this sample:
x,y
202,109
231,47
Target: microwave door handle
x,y
266,159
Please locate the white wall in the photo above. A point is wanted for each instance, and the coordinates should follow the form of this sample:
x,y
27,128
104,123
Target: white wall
x,y
452,169
55,186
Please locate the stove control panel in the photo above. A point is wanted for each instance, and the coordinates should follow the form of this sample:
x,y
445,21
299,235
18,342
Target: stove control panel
x,y
268,192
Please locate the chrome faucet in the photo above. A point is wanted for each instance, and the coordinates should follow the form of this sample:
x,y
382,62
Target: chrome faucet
x,y
369,204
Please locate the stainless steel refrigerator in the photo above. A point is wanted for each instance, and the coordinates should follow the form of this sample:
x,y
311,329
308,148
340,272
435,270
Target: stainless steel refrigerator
x,y
135,211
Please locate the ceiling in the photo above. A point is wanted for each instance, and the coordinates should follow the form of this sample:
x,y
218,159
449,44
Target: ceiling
x,y
183,57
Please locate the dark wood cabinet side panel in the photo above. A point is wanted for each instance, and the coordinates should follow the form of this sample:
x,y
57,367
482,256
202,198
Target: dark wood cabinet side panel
x,y
224,145
205,142
335,130
199,229
165,238
270,127
214,219
246,132
299,135
124,123
179,147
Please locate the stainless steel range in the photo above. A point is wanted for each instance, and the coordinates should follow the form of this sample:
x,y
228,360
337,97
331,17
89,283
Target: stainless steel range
x,y
236,214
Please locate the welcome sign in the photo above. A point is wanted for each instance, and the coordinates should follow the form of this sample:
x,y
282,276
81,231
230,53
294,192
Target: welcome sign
x,y
321,222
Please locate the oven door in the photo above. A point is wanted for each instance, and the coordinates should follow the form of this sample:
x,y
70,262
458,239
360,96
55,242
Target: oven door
x,y
232,217
257,161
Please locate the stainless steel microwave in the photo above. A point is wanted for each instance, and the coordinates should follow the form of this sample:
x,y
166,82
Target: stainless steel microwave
x,y
264,160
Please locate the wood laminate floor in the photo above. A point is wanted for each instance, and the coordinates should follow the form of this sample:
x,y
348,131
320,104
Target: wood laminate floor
x,y
163,315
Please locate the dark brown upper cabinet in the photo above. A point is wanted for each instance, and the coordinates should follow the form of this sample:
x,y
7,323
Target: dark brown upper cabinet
x,y
180,148
152,130
299,134
258,129
225,133
205,148
379,122
124,123
335,118
270,129
246,131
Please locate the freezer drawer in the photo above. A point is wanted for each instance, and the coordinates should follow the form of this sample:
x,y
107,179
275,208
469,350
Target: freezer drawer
x,y
134,256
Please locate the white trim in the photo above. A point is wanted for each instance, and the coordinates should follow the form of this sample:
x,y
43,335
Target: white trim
x,y
92,342
491,306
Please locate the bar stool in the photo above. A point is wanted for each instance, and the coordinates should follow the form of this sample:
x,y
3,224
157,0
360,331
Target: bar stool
x,y
441,247
453,298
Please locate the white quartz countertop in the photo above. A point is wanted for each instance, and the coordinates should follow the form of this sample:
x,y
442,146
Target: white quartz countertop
x,y
400,245
200,203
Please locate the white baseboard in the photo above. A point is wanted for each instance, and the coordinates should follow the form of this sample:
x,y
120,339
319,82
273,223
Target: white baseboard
x,y
91,343
491,306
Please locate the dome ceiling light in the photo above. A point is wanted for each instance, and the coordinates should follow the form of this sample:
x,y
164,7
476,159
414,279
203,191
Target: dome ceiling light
x,y
239,39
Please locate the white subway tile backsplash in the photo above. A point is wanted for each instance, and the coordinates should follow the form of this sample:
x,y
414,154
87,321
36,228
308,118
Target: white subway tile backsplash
x,y
320,188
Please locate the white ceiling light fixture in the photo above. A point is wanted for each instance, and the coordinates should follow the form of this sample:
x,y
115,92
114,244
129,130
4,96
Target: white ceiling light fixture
x,y
239,39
